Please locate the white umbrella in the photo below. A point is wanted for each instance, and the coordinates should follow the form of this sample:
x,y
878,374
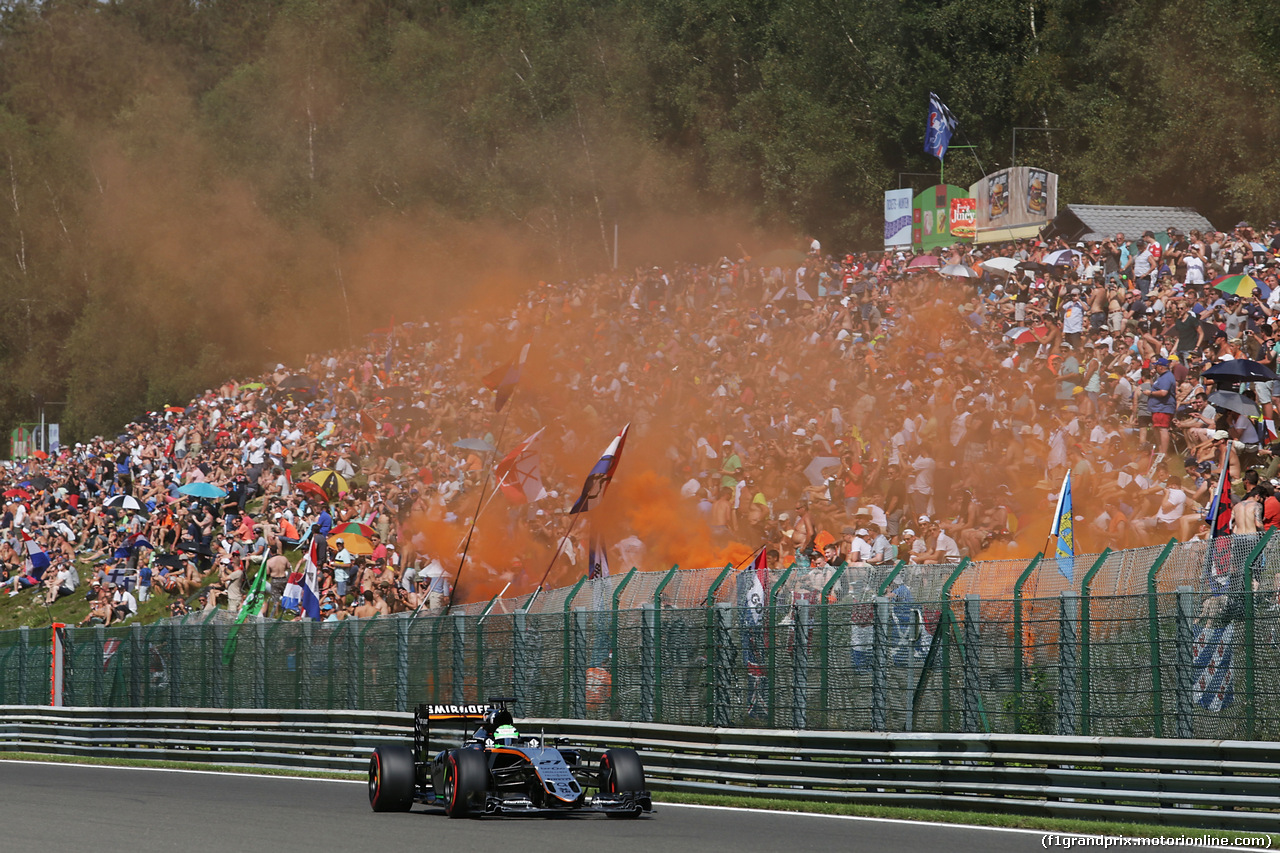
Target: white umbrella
x,y
126,502
1000,264
1062,257
958,271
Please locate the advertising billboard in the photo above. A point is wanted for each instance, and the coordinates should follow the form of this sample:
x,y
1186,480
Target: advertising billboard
x,y
1014,203
931,217
897,218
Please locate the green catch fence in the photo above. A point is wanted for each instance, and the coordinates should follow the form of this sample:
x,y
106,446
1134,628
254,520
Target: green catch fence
x,y
1179,640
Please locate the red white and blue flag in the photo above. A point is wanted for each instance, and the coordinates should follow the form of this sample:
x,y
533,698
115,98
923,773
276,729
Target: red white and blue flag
x,y
302,589
1211,654
601,474
36,555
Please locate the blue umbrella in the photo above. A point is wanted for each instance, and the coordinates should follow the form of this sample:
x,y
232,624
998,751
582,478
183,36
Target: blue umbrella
x,y
202,490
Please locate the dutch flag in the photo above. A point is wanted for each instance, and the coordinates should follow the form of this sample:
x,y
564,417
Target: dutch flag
x,y
36,554
302,589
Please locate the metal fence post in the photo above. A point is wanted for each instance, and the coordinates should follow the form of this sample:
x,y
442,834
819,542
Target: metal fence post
x,y
1019,642
1068,661
567,649
24,649
578,671
712,647
1184,669
173,663
613,643
1085,595
402,664
458,671
303,664
771,637
800,668
950,615
648,659
1250,637
260,664
971,718
135,665
1153,637
657,643
722,677
825,638
520,659
880,664
100,643
888,579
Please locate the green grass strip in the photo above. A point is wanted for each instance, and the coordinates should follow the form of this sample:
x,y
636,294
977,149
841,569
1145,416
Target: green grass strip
x,y
959,818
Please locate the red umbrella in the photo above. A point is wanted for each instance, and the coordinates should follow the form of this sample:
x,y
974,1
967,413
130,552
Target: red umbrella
x,y
923,262
311,490
17,493
40,454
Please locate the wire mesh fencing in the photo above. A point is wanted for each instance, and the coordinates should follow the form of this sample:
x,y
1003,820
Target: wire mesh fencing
x,y
1180,640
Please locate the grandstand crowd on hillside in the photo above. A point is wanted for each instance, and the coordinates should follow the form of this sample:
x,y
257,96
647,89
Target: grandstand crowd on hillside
x,y
858,407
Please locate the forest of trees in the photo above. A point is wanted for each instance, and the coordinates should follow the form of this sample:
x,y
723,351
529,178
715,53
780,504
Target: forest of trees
x,y
193,189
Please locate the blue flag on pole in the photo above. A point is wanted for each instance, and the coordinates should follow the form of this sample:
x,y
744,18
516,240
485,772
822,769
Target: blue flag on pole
x,y
1064,528
938,130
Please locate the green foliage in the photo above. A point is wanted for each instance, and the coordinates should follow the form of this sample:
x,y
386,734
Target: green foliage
x,y
1033,710
195,173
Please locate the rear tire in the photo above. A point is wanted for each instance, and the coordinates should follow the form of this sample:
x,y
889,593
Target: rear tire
x,y
466,782
391,779
621,772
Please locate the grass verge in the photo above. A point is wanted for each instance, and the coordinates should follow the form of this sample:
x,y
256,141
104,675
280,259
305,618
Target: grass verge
x,y
960,818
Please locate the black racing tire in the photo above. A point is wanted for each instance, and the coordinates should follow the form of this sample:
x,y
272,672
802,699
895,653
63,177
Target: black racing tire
x,y
621,771
391,779
466,781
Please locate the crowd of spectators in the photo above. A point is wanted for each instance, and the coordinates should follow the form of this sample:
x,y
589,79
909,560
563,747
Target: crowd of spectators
x,y
859,407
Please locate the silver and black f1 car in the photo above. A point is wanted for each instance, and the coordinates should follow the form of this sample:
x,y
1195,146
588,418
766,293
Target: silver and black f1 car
x,y
496,770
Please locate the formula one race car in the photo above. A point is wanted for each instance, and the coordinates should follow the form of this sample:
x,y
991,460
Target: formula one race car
x,y
495,770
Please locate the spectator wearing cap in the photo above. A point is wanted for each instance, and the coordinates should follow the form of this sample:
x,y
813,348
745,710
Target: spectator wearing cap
x,y
1161,402
860,546
939,547
882,550
1073,314
123,604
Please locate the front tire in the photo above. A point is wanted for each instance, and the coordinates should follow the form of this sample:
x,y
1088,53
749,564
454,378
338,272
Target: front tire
x,y
466,782
391,779
621,772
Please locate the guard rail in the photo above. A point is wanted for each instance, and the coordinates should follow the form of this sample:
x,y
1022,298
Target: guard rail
x,y
1183,782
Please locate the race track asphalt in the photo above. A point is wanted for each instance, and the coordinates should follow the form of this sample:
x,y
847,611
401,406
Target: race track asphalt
x,y
127,810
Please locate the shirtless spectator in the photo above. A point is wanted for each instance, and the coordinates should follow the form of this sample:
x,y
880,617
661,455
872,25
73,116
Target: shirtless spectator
x,y
100,611
367,609
277,569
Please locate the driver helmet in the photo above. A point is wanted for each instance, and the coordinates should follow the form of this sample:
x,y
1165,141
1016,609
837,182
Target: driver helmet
x,y
505,732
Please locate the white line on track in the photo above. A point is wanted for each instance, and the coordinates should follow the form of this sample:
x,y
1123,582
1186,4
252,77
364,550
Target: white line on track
x,y
772,812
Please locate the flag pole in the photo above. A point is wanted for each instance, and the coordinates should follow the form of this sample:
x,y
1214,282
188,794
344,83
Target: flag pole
x,y
1057,514
554,557
488,474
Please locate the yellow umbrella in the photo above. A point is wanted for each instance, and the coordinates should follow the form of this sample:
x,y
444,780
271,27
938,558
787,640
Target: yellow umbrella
x,y
353,542
331,481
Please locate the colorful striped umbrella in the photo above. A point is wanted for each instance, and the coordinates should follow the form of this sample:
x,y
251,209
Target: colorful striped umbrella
x,y
1241,285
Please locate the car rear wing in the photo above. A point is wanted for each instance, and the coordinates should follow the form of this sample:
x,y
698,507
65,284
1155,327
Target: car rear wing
x,y
450,715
